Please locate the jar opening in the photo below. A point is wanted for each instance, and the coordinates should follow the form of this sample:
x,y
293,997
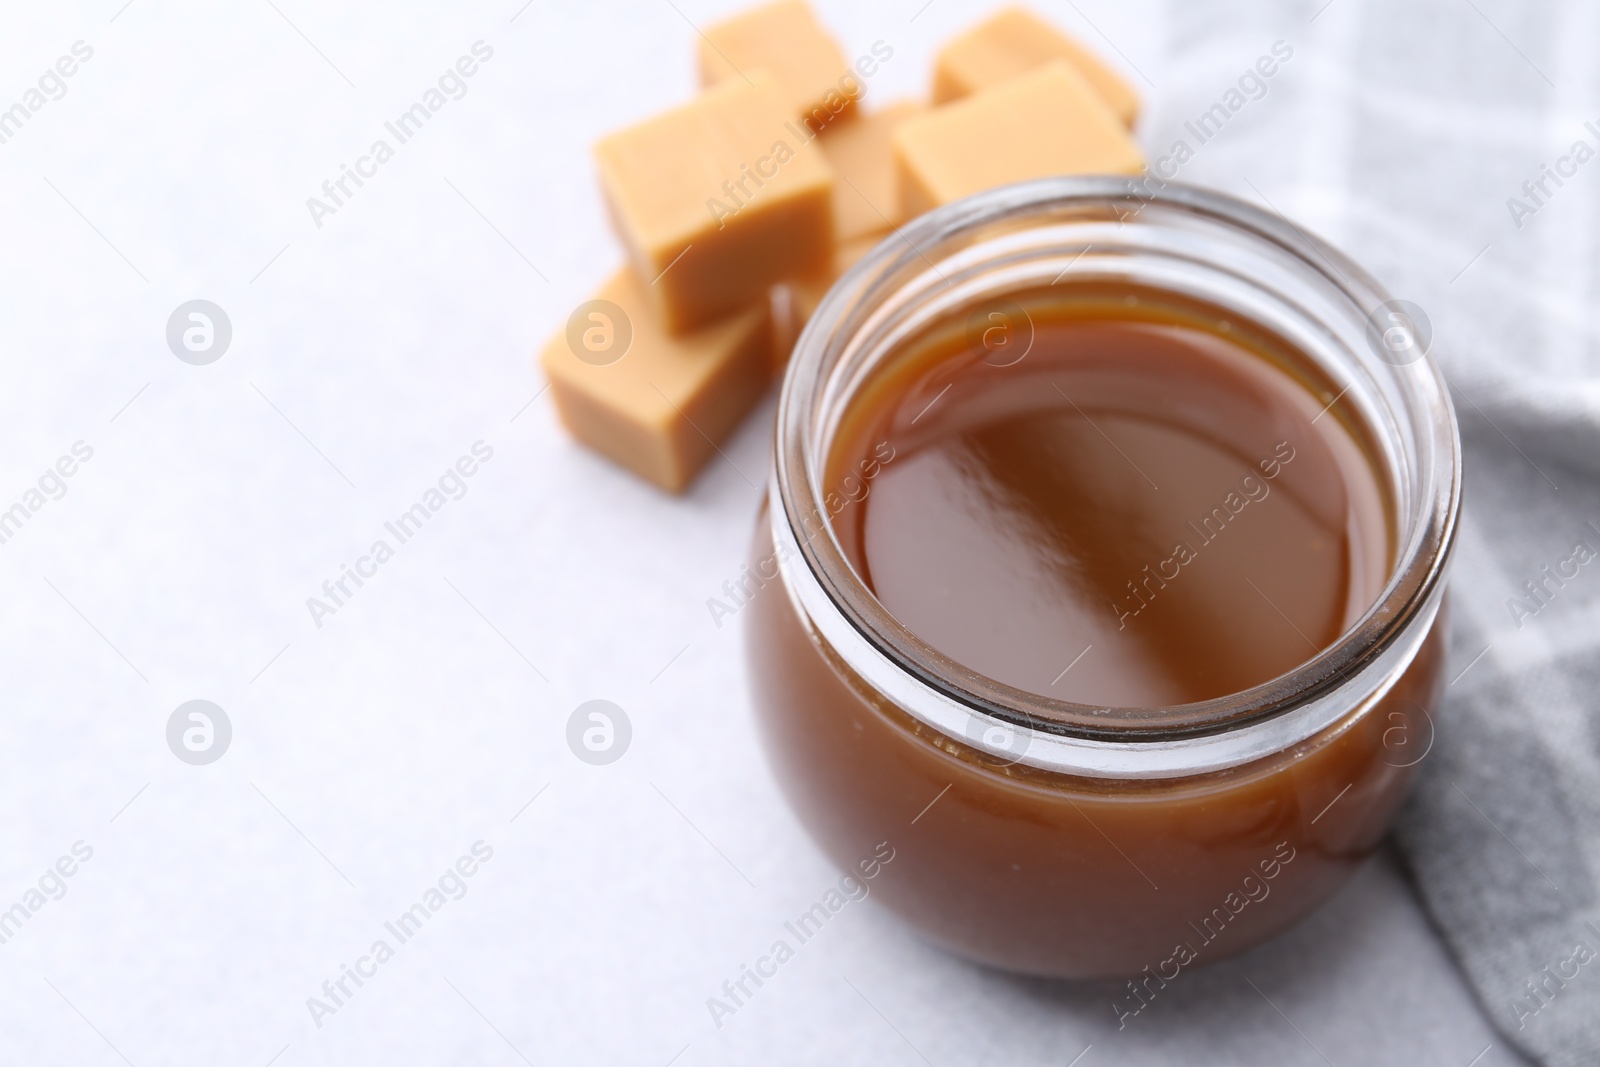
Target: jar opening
x,y
1021,248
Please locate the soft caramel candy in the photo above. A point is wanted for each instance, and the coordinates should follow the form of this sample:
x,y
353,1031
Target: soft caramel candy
x,y
866,198
785,39
650,401
719,199
1045,123
1014,42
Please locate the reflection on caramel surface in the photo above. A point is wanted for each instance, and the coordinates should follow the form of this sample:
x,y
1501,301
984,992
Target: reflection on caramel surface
x,y
1139,487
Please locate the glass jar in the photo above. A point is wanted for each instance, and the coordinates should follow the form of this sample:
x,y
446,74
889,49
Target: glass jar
x,y
1059,839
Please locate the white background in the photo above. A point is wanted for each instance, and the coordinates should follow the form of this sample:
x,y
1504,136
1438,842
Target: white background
x,y
369,753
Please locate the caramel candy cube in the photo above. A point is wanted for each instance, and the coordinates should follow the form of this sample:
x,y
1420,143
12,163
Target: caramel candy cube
x,y
1013,42
866,198
785,39
1046,123
653,402
717,200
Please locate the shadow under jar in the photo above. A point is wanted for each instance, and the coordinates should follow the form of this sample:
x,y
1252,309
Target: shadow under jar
x,y
1100,575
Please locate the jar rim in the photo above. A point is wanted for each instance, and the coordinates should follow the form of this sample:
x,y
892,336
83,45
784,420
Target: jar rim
x,y
860,310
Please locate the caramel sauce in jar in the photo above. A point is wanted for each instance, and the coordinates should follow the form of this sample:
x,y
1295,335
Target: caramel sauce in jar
x,y
1101,599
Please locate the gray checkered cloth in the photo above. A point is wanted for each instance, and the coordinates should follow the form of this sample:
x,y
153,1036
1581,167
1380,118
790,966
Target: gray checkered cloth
x,y
1453,148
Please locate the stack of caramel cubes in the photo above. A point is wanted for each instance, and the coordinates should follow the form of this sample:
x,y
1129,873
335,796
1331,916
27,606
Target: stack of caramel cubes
x,y
740,208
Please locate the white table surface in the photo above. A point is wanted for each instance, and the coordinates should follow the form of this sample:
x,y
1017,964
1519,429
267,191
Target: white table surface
x,y
372,751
